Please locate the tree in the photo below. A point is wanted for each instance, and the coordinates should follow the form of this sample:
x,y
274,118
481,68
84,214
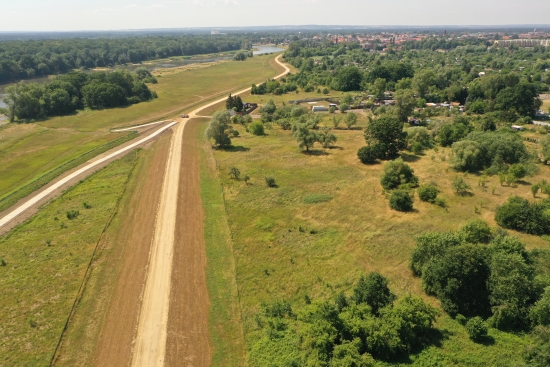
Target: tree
x,y
401,200
305,138
517,213
269,107
422,81
12,99
462,270
343,107
349,78
350,120
460,186
540,312
404,103
545,144
374,291
379,87
386,133
234,173
326,138
398,174
220,128
467,155
476,231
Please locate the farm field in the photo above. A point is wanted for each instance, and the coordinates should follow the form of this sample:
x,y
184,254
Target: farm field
x,y
45,262
30,150
328,222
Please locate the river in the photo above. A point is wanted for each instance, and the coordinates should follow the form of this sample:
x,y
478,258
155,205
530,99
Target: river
x,y
159,64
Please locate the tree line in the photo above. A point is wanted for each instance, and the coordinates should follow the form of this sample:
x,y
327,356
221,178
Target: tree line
x,y
29,59
76,90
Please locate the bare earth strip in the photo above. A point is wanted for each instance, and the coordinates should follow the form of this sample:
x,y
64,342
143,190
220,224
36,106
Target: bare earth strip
x,y
150,343
188,338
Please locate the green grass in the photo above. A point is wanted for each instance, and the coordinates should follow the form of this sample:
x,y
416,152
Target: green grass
x,y
287,248
28,151
225,315
29,188
46,259
317,198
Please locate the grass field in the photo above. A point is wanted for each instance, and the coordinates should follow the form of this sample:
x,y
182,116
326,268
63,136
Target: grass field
x,y
45,262
328,222
27,151
225,316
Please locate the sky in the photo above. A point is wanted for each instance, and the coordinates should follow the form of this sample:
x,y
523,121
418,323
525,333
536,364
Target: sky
x,y
72,15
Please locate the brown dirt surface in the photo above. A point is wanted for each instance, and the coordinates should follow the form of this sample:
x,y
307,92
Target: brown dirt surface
x,y
188,339
114,347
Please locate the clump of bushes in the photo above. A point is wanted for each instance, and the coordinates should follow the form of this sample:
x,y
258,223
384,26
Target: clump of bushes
x,y
256,128
519,214
354,329
398,174
72,214
270,182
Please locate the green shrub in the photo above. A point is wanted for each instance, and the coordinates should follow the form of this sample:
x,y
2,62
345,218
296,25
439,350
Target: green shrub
x,y
270,182
427,193
440,202
476,231
519,214
72,214
460,186
256,128
476,328
367,154
401,200
234,173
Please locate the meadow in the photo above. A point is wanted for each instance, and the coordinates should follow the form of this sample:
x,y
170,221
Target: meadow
x,y
44,262
328,221
30,150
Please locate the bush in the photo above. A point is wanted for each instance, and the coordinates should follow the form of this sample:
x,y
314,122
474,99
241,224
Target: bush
x,y
234,173
540,312
460,186
270,182
476,231
417,148
367,154
256,128
72,214
476,328
427,193
401,200
398,174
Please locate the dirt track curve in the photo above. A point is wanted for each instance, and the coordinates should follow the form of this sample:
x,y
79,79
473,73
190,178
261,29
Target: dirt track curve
x,y
150,343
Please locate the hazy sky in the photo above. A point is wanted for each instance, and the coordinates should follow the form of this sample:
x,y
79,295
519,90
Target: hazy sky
x,y
62,15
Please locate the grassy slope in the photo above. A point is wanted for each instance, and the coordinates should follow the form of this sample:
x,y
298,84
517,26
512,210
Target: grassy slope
x,y
46,260
29,150
286,248
225,318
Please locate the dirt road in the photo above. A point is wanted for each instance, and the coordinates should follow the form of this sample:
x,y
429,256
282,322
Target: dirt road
x,y
34,199
150,343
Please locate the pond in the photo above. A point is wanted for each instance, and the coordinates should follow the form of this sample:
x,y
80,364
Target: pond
x,y
160,64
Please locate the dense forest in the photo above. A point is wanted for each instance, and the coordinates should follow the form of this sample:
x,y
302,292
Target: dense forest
x,y
75,90
28,59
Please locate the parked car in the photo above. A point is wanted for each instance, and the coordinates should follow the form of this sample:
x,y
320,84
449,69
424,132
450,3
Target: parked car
x,y
184,116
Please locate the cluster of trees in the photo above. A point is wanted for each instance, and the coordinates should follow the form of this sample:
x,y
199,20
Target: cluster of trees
x,y
520,214
349,330
385,138
220,129
28,59
274,86
480,272
234,103
76,90
426,75
243,55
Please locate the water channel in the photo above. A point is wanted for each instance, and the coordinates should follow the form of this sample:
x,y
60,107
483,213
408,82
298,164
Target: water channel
x,y
154,65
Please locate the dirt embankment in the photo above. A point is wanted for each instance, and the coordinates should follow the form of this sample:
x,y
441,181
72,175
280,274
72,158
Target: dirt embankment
x,y
114,347
188,340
